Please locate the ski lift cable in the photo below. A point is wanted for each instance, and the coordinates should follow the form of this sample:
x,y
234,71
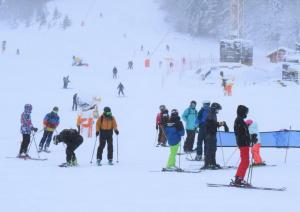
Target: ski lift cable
x,y
89,9
160,42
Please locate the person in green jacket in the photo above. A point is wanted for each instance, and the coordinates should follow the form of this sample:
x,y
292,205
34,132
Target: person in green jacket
x,y
189,116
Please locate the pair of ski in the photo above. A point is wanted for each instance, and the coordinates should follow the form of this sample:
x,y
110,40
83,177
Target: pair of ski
x,y
231,185
27,158
178,170
46,151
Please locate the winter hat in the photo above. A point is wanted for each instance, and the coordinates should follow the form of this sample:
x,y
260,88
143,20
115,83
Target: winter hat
x,y
242,111
174,112
55,109
106,109
248,122
162,107
193,102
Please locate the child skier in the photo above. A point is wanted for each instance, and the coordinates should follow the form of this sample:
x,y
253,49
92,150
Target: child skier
x,y
255,137
243,141
174,132
73,140
51,121
26,128
105,126
161,122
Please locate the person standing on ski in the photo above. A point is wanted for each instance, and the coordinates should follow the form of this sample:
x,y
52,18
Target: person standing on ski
x,y
211,127
105,126
130,64
243,141
174,132
255,138
3,46
51,121
115,72
75,102
200,122
121,89
190,116
73,140
161,122
66,82
26,129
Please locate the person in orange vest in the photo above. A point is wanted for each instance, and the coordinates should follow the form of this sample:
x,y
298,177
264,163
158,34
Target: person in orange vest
x,y
105,126
78,122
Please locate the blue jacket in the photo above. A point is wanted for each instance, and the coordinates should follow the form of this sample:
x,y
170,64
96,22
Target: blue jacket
x,y
190,116
174,131
202,115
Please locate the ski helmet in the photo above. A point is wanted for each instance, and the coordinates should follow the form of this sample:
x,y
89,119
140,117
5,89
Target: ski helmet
x,y
174,112
162,107
107,109
206,103
242,111
216,106
28,108
55,109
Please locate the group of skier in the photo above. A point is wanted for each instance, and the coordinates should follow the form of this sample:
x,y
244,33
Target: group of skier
x,y
105,126
205,122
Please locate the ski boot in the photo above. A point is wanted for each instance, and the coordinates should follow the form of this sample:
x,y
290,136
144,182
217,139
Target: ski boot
x,y
110,162
74,162
98,162
46,149
40,149
239,182
216,166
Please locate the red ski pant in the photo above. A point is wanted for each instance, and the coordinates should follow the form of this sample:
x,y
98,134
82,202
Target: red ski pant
x,y
256,154
241,171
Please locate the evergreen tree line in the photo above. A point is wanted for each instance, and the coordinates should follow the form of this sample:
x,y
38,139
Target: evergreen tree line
x,y
268,22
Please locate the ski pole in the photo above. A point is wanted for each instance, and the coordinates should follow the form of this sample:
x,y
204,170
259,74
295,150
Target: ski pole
x,y
287,147
179,154
35,145
93,150
117,149
156,138
249,177
229,158
221,148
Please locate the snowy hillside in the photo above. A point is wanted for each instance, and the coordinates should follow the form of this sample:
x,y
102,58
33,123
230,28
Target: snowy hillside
x,y
35,76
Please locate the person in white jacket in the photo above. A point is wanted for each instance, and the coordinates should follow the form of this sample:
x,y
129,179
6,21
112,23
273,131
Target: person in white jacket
x,y
255,137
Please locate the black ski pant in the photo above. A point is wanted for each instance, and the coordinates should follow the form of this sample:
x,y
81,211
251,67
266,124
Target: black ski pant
x,y
71,147
162,135
210,157
25,143
74,106
189,141
200,141
121,92
105,137
47,136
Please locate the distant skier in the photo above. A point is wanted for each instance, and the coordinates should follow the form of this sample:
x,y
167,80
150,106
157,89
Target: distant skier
x,y
255,138
200,122
167,47
105,126
73,140
78,62
18,52
142,48
211,126
3,46
174,132
243,142
75,102
115,72
160,64
121,89
130,64
50,122
26,129
66,82
161,122
189,116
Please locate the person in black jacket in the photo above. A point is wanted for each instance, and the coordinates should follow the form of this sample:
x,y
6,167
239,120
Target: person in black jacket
x,y
243,141
73,140
211,126
75,102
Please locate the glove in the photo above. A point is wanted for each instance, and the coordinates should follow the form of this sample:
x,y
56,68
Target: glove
x,y
117,132
254,139
220,124
225,127
35,129
55,140
97,133
156,127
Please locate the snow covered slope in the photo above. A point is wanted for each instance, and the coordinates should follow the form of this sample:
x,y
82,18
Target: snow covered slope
x,y
36,77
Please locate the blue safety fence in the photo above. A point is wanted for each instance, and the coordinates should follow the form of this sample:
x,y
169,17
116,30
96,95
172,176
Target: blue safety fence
x,y
280,139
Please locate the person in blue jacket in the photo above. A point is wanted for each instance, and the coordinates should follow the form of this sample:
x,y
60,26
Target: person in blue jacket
x,y
200,122
190,116
174,132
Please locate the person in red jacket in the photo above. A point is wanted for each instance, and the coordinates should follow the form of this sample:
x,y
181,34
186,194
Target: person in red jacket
x,y
243,141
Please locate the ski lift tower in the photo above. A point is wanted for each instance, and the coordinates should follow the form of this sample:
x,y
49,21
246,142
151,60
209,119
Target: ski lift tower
x,y
235,49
